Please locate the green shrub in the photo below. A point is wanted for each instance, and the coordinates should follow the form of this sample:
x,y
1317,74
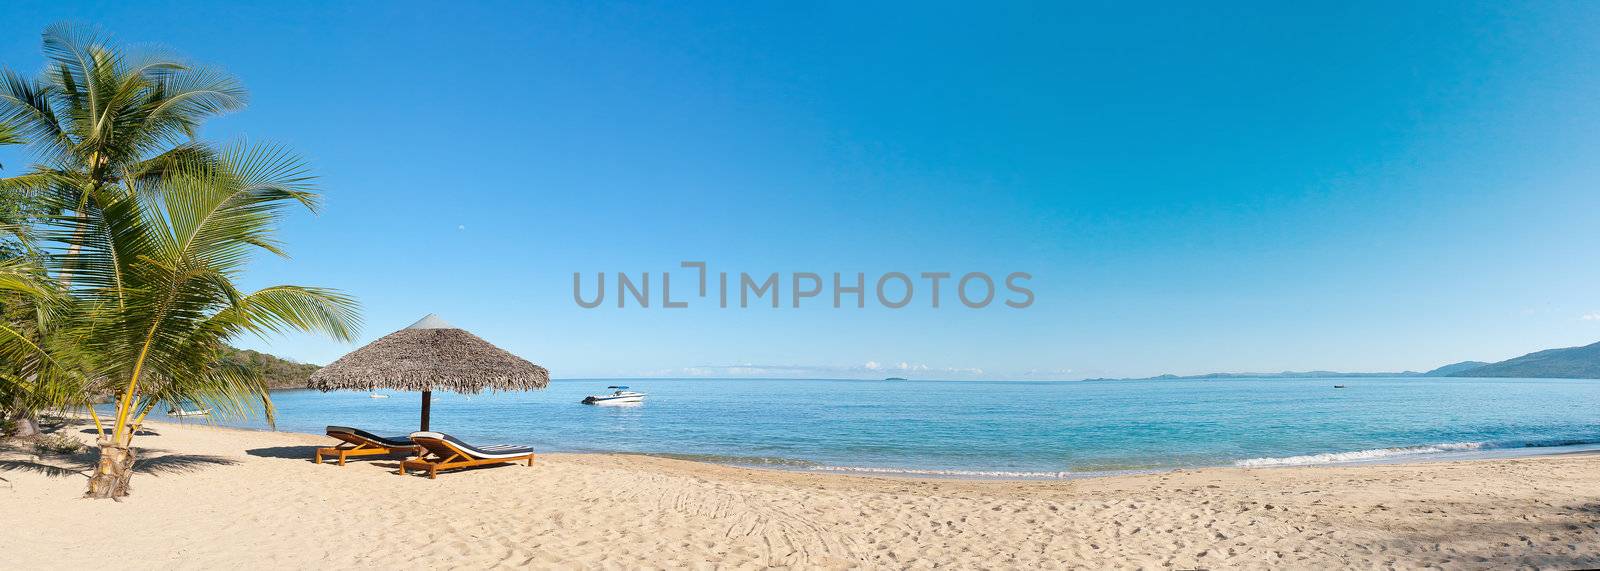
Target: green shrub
x,y
57,444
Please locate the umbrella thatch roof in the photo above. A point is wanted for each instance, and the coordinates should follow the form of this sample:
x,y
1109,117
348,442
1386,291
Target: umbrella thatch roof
x,y
431,355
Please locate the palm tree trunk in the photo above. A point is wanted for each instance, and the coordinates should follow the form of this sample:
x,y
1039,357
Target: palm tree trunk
x,y
113,472
80,221
81,225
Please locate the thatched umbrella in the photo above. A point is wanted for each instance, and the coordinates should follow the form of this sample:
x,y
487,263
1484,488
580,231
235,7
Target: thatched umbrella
x,y
427,356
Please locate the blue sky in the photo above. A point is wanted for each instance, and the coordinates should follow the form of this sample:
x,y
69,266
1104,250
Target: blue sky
x,y
1350,186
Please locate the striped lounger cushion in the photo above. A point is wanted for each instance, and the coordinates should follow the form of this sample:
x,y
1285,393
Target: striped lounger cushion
x,y
492,451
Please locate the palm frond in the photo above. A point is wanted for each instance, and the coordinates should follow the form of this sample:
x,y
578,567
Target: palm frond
x,y
9,135
286,309
25,277
26,106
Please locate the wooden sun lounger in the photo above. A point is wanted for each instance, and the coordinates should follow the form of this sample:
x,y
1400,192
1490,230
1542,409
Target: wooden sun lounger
x,y
359,442
445,452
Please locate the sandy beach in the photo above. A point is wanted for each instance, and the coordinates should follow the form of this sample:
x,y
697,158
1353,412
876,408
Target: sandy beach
x,y
240,498
236,498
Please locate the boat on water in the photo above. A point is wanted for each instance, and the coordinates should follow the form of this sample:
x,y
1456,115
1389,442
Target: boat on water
x,y
621,395
377,396
181,412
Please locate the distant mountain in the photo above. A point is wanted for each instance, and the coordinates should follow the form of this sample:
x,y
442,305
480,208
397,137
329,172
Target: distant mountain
x,y
1569,363
1453,368
1282,375
280,373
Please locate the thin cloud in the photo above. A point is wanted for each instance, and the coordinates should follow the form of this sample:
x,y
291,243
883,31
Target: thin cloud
x,y
1047,373
865,370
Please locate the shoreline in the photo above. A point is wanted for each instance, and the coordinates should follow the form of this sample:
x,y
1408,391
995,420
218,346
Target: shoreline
x,y
85,428
794,465
622,510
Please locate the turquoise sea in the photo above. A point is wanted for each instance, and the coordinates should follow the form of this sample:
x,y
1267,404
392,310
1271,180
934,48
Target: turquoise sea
x,y
1002,429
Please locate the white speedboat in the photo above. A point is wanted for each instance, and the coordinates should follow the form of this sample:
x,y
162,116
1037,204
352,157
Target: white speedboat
x,y
179,412
377,396
620,396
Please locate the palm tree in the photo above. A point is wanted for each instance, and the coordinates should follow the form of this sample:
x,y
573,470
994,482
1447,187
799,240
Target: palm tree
x,y
157,298
145,232
32,378
27,300
99,117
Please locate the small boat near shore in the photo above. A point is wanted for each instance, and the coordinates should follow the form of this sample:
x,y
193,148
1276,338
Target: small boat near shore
x,y
181,413
621,395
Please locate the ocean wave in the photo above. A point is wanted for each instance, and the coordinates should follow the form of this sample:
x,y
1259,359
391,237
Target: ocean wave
x,y
1357,456
747,461
946,473
807,465
1549,443
1362,455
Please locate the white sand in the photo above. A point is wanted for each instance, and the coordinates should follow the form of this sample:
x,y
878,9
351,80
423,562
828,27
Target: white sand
x,y
217,498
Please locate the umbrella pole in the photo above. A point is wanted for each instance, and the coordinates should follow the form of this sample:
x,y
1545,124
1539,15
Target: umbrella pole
x,y
427,399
